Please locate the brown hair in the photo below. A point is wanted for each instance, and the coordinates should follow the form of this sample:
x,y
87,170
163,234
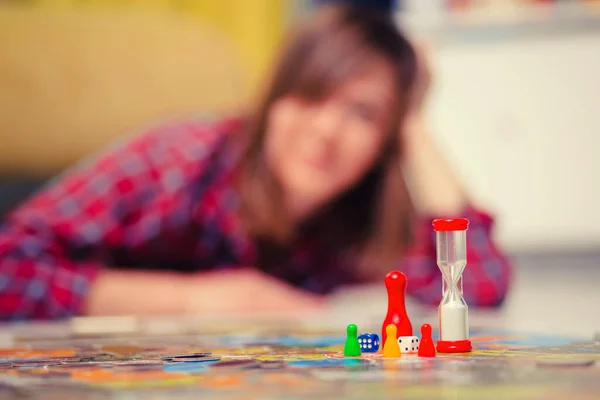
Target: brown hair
x,y
372,217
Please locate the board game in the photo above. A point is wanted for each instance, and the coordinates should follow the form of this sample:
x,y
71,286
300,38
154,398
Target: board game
x,y
281,359
299,357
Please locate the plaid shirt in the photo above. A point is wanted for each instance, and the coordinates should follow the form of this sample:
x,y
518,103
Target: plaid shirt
x,y
165,200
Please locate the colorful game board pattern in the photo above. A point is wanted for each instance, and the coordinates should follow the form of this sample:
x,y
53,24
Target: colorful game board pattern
x,y
302,365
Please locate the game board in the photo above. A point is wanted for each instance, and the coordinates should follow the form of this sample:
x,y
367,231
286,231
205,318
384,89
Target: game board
x,y
285,361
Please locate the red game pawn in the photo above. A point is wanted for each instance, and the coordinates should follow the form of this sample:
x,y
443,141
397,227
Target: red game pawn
x,y
426,347
395,283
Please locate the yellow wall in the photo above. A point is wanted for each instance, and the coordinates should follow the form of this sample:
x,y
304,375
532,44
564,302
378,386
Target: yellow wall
x,y
254,26
82,73
79,79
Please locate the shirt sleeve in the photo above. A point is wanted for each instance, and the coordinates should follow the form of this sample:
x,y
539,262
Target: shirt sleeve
x,y
52,247
486,278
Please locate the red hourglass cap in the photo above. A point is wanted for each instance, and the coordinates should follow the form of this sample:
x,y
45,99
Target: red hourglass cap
x,y
452,224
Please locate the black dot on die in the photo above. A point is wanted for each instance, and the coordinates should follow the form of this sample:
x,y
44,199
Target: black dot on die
x,y
412,340
406,349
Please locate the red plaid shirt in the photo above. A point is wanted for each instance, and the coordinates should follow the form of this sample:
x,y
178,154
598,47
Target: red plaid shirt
x,y
165,200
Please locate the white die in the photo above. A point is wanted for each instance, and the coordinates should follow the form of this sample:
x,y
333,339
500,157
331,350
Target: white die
x,y
408,344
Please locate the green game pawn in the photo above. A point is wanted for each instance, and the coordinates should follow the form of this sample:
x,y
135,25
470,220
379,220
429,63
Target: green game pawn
x,y
352,347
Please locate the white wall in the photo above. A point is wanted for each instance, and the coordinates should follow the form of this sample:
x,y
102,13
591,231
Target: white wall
x,y
520,120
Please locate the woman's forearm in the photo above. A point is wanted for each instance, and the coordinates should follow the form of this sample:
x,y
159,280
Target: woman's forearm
x,y
236,290
137,293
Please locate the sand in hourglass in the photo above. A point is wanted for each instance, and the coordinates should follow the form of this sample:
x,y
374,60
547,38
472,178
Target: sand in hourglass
x,y
453,311
454,321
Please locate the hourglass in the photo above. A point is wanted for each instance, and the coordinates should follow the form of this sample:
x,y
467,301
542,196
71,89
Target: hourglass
x,y
451,249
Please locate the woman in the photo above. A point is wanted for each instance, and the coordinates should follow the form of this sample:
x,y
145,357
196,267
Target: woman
x,y
267,212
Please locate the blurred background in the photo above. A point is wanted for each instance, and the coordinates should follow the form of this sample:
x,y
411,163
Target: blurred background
x,y
515,101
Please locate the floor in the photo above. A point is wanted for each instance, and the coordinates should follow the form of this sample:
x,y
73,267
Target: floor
x,y
558,294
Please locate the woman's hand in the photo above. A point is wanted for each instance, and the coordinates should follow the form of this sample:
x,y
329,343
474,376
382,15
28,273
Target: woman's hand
x,y
245,290
423,80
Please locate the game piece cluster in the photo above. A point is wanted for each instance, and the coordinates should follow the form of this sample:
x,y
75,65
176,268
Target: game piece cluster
x,y
397,332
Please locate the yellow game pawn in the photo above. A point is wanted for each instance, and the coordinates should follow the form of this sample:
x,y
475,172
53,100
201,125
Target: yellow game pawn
x,y
391,347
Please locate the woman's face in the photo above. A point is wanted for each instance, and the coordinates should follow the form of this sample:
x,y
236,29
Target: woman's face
x,y
317,150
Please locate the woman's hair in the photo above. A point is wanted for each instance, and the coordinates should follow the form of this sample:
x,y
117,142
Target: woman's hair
x,y
333,47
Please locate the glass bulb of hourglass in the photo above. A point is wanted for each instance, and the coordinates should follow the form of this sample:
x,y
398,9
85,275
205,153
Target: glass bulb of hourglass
x,y
451,260
451,251
452,283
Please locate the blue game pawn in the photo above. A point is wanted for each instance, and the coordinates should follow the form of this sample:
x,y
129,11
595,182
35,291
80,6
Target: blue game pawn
x,y
369,342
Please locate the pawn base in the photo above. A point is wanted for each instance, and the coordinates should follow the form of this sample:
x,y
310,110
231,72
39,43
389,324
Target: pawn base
x,y
454,346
